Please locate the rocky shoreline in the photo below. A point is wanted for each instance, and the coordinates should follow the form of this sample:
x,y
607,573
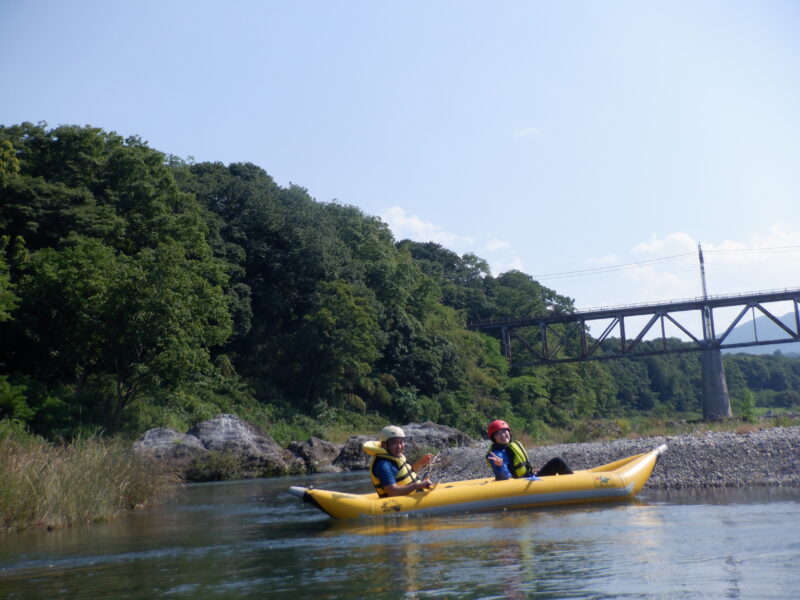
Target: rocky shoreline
x,y
765,457
226,447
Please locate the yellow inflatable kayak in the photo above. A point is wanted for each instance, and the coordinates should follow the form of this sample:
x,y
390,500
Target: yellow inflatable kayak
x,y
614,481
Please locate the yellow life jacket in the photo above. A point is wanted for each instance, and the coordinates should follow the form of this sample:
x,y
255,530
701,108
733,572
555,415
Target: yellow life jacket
x,y
405,474
520,465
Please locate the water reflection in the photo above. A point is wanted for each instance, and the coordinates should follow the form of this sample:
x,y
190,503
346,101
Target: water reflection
x,y
254,540
509,555
719,496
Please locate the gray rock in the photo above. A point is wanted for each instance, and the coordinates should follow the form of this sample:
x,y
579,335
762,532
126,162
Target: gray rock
x,y
318,455
260,454
420,438
352,457
167,445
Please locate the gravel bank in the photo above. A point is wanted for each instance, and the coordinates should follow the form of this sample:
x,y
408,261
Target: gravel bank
x,y
767,457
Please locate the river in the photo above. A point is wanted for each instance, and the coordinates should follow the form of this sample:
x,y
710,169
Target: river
x,y
251,539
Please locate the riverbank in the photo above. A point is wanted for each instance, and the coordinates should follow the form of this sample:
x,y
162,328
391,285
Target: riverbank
x,y
764,457
747,456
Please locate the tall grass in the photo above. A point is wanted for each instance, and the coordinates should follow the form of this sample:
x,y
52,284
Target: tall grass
x,y
93,479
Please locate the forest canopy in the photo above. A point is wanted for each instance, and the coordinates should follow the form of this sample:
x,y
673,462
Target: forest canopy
x,y
141,290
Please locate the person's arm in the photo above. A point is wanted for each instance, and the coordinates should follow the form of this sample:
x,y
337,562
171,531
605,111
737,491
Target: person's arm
x,y
424,461
402,490
385,471
497,460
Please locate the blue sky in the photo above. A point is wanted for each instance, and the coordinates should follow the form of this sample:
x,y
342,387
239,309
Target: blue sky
x,y
550,137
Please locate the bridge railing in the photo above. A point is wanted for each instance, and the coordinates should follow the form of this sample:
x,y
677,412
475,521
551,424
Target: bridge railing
x,y
565,337
610,307
643,307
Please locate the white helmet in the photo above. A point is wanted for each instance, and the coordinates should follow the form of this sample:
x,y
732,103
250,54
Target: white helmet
x,y
390,431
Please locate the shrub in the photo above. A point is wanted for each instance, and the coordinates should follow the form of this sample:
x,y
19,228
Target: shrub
x,y
216,466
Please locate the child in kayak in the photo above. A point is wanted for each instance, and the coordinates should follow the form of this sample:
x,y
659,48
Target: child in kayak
x,y
510,459
391,474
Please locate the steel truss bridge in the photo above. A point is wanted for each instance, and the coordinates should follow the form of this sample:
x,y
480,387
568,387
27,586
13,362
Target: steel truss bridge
x,y
563,338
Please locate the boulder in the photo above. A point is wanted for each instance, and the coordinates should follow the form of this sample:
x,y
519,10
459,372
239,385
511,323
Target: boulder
x,y
352,457
420,439
226,447
167,445
318,455
259,453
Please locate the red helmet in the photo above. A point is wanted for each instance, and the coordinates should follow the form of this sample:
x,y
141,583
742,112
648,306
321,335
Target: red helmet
x,y
496,426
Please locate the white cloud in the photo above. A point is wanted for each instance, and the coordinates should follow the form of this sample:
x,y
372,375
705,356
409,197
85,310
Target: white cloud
x,y
513,263
405,226
528,131
780,244
762,261
657,284
672,243
503,256
667,269
494,244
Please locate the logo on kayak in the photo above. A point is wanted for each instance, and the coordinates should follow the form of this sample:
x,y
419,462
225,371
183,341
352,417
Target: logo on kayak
x,y
390,505
601,481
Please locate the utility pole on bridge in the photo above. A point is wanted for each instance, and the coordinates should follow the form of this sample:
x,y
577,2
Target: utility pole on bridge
x,y
716,403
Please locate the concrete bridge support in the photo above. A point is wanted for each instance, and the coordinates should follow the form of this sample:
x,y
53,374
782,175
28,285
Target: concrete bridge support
x,y
716,403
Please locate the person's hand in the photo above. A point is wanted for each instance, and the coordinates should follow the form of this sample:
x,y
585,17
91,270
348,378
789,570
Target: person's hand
x,y
498,462
425,460
425,484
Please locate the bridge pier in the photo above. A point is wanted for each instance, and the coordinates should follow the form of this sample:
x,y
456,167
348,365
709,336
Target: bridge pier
x,y
716,403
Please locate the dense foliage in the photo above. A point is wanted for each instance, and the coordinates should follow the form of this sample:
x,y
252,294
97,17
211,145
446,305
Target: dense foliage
x,y
139,290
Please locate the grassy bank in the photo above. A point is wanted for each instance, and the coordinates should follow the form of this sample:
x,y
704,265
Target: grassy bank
x,y
48,486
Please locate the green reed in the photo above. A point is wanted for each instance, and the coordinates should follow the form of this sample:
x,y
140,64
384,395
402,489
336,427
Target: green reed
x,y
51,485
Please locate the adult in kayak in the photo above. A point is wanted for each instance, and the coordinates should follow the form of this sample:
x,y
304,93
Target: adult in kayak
x,y
391,474
510,459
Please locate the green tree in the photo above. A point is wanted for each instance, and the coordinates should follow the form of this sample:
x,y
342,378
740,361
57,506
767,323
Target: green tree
x,y
9,163
13,402
148,320
342,340
119,294
9,170
634,388
318,276
744,406
8,300
461,279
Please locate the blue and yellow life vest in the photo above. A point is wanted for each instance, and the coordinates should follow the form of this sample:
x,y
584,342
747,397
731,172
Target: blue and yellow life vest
x,y
520,465
405,474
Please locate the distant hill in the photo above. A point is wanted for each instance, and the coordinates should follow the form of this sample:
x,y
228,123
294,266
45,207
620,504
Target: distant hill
x,y
766,330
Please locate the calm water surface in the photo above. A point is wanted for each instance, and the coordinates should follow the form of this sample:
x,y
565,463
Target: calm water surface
x,y
253,540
